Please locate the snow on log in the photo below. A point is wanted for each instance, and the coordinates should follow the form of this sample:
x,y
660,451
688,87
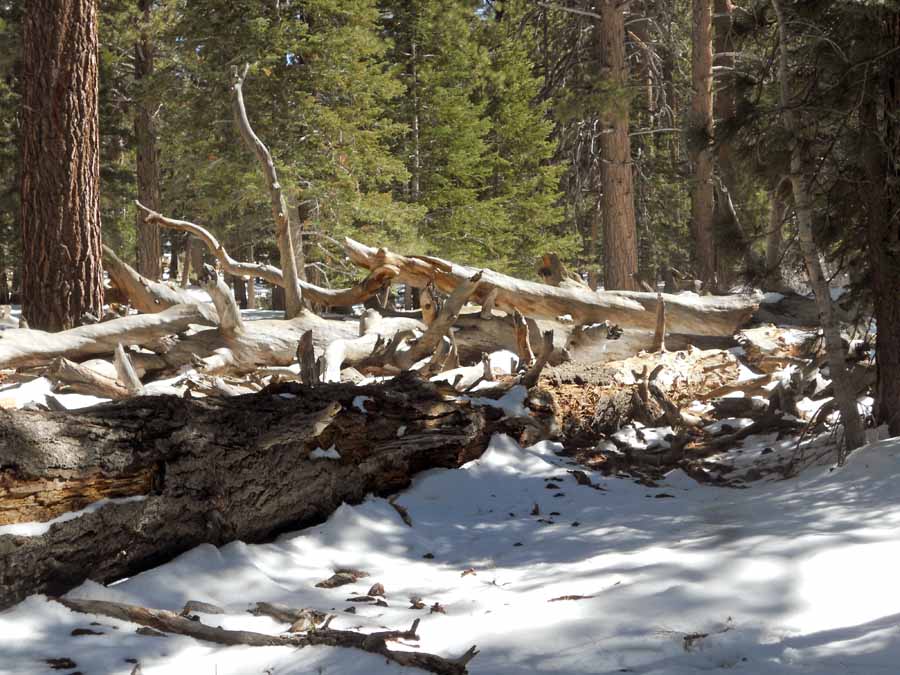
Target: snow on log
x,y
214,470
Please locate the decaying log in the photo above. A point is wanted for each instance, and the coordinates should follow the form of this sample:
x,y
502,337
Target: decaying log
x,y
375,643
688,314
594,401
214,470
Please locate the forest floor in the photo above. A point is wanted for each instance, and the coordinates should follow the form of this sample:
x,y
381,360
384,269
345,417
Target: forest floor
x,y
544,573
789,576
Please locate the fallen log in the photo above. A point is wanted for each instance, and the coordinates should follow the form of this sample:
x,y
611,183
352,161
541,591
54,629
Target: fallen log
x,y
26,347
685,313
215,470
145,295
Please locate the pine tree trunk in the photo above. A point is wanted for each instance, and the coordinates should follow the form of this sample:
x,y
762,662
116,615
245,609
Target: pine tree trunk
x,y
777,212
60,164
725,103
148,247
700,135
620,260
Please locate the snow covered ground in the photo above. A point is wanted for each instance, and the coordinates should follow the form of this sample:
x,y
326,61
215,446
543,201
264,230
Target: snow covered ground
x,y
797,576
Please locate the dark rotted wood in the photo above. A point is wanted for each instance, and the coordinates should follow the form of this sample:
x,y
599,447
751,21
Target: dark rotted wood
x,y
216,470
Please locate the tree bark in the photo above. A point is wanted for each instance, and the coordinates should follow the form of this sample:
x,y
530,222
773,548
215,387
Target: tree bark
x,y
212,471
148,245
60,209
620,258
700,134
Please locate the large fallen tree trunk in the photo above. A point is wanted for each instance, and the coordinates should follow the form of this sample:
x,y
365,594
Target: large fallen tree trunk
x,y
212,470
688,314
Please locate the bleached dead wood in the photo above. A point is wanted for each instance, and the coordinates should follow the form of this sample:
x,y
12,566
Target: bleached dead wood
x,y
145,295
686,313
27,347
80,379
338,297
281,215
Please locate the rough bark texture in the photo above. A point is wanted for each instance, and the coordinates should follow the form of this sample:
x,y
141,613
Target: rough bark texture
x,y
620,261
60,164
700,135
148,246
211,470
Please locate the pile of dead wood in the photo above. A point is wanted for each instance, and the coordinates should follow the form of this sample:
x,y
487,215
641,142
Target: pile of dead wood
x,y
276,422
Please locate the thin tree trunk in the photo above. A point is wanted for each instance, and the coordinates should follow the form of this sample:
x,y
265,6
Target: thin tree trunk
x,y
415,174
777,212
240,291
801,169
701,133
148,247
883,231
186,262
620,230
60,212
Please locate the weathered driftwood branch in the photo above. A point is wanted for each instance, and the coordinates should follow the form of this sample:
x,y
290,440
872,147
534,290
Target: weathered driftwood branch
x,y
26,347
125,373
659,336
286,247
144,294
375,643
688,314
337,297
212,470
83,380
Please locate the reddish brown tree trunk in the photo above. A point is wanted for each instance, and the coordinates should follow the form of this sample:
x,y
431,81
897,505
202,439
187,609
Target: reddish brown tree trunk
x,y
620,260
60,164
700,134
148,249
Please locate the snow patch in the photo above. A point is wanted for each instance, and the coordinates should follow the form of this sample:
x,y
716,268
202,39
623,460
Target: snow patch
x,y
360,403
330,453
36,529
